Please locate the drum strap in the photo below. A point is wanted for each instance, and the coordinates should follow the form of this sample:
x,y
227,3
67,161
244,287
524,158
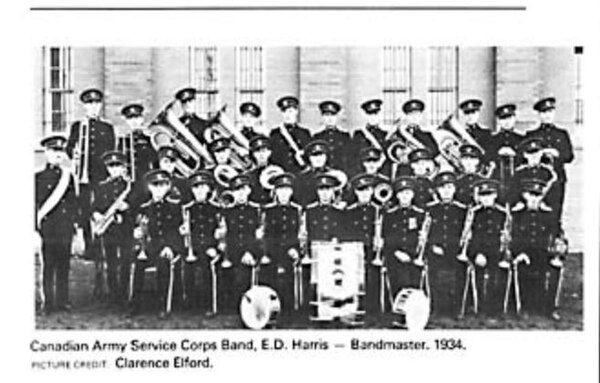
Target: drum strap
x,y
55,197
371,138
289,139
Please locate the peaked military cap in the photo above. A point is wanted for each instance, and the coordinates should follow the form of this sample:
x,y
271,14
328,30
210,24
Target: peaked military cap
x,y
132,110
444,178
91,95
370,154
468,150
219,144
362,181
259,142
316,147
283,179
506,110
486,186
413,105
286,102
54,141
202,177
185,94
326,180
239,181
168,152
419,154
155,176
402,183
372,106
545,104
329,107
114,157
533,186
250,108
532,145
470,105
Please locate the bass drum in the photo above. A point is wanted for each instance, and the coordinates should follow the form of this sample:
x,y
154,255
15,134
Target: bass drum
x,y
412,307
260,306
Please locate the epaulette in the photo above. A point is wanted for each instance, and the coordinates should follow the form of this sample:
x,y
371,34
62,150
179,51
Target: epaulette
x,y
172,200
521,167
384,177
305,171
544,207
459,204
104,181
189,204
270,205
147,203
355,204
312,205
518,207
295,205
500,208
432,203
253,204
417,209
392,209
214,203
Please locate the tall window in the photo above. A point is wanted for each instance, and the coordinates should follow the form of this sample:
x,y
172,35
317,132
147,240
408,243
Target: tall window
x,y
249,76
578,84
442,83
58,89
396,81
204,67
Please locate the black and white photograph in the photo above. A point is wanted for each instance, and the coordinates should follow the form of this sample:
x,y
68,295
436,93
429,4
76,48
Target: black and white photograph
x,y
305,187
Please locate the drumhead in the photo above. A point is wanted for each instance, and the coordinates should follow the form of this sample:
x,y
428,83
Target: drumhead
x,y
259,306
413,307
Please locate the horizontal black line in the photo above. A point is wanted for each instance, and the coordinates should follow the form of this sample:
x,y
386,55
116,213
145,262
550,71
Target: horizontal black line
x,y
288,8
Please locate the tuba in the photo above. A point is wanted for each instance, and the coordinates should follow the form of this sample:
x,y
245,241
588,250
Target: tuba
x,y
167,130
222,126
450,136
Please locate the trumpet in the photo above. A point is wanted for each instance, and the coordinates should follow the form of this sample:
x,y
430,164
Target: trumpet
x,y
383,193
422,244
81,155
126,145
505,240
185,210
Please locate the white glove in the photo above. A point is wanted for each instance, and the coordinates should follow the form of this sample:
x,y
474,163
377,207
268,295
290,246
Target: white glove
x,y
378,243
167,253
37,242
522,257
480,260
123,206
293,253
556,262
437,250
248,259
96,216
506,151
220,232
260,233
221,246
211,252
462,257
402,256
138,233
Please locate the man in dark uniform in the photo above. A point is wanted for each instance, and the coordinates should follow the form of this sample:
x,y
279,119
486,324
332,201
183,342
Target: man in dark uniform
x,y
282,227
559,150
420,163
505,143
243,247
471,110
470,160
201,219
372,134
484,250
144,155
446,273
370,159
289,138
532,152
318,160
114,193
250,124
57,217
533,231
401,227
196,125
158,221
89,139
260,150
413,110
358,222
338,141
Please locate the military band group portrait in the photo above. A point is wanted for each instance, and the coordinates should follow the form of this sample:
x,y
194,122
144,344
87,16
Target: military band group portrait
x,y
188,213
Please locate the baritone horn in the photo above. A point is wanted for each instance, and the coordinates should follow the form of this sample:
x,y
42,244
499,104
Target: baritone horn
x,y
450,136
222,127
268,174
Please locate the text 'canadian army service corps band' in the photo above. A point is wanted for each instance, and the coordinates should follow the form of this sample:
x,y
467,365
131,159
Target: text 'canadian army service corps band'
x,y
451,220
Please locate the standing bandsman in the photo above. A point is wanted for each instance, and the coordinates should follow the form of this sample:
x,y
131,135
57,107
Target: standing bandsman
x,y
243,247
372,135
505,143
533,231
114,193
370,160
471,110
288,139
88,140
157,228
470,162
179,190
421,164
195,124
484,248
144,155
57,217
250,124
338,140
401,226
201,219
559,150
359,225
533,167
448,217
260,150
282,228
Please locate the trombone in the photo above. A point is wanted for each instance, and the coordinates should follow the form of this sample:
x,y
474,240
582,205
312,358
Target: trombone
x,y
81,156
126,145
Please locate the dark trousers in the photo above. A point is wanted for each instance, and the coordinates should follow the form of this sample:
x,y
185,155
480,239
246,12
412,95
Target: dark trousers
x,y
400,276
56,272
491,285
555,199
446,280
163,267
539,285
117,251
198,282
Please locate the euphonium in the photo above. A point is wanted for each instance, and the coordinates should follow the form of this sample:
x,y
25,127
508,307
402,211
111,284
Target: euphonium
x,y
267,174
450,136
222,126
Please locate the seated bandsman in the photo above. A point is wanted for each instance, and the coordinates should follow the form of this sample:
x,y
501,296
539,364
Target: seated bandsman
x,y
421,164
167,159
250,120
485,249
448,218
243,250
57,216
532,152
401,226
113,195
337,139
470,161
282,225
358,222
201,219
318,160
534,229
160,243
260,150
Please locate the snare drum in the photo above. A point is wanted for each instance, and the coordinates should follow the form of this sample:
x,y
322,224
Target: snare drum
x,y
259,307
412,307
